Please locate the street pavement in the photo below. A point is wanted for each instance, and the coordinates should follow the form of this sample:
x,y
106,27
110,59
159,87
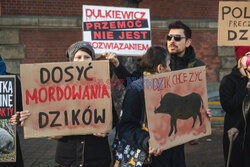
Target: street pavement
x,y
207,153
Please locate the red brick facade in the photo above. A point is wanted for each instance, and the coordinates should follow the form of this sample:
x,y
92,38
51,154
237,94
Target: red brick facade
x,y
47,45
50,7
160,9
182,9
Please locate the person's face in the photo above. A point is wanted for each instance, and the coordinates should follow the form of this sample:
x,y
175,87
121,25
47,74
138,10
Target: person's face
x,y
82,56
177,46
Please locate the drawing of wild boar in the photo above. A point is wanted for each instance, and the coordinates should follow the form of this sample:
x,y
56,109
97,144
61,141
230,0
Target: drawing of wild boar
x,y
180,107
6,141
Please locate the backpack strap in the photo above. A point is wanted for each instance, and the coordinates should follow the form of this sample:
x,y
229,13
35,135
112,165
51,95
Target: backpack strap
x,y
143,113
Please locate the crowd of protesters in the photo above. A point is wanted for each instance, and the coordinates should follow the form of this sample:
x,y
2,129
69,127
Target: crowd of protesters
x,y
93,150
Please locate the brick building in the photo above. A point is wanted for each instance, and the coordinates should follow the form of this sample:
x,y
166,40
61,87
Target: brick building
x,y
34,31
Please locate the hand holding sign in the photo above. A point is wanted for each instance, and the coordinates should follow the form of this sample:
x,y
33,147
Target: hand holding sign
x,y
112,57
100,134
209,114
151,150
20,117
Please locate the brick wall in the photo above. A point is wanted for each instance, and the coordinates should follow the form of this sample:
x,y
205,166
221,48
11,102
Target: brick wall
x,y
177,9
180,9
47,45
50,7
205,44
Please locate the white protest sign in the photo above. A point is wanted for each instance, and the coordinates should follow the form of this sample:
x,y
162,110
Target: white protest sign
x,y
125,31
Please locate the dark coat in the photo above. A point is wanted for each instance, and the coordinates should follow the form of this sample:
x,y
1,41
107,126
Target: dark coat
x,y
232,92
243,125
127,77
89,150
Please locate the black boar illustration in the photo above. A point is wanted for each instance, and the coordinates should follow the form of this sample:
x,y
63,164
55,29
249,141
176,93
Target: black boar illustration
x,y
179,107
6,141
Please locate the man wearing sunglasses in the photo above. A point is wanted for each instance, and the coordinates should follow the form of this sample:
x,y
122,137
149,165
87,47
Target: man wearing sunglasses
x,y
182,57
179,46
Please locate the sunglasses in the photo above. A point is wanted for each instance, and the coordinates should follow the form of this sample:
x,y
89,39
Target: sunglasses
x,y
177,37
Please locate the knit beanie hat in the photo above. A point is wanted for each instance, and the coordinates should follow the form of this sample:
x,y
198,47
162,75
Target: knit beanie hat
x,y
74,48
241,51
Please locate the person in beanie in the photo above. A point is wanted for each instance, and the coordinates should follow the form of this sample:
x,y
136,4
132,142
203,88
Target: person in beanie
x,y
233,90
81,150
80,51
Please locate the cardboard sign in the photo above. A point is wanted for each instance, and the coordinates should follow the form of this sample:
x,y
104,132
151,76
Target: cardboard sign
x,y
7,109
176,104
234,23
68,98
125,31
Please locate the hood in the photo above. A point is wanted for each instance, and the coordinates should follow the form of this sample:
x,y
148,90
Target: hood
x,y
2,67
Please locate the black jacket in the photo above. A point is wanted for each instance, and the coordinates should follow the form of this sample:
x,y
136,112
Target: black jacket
x,y
244,124
88,150
127,77
189,60
130,124
232,92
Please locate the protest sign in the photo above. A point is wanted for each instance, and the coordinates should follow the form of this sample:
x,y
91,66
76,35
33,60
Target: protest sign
x,y
7,109
69,98
176,104
234,23
125,31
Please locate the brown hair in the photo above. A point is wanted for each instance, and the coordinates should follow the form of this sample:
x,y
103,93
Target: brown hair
x,y
154,56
